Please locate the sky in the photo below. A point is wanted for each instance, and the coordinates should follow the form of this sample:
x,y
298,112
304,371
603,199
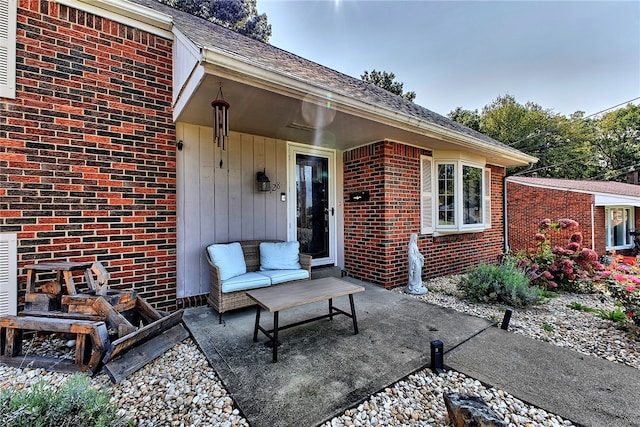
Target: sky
x,y
565,56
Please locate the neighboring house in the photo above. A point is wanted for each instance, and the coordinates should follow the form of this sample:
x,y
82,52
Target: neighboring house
x,y
106,154
606,211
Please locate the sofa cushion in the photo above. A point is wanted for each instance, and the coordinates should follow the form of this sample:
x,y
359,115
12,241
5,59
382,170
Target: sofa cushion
x,y
228,258
279,256
244,282
280,276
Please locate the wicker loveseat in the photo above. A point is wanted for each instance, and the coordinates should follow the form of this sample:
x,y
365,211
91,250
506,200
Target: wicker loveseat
x,y
223,300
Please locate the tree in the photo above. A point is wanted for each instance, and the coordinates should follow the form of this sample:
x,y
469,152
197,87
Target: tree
x,y
387,82
617,142
238,15
470,119
562,145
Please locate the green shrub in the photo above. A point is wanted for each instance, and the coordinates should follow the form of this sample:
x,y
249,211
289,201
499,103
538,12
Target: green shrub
x,y
76,404
580,307
545,293
504,283
616,315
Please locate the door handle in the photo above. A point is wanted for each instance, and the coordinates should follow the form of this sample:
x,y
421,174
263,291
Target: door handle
x,y
332,211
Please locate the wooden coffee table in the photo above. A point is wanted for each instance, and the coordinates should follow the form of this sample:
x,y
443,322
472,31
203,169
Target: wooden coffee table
x,y
277,298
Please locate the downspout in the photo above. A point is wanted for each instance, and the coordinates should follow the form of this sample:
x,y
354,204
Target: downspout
x,y
505,230
593,229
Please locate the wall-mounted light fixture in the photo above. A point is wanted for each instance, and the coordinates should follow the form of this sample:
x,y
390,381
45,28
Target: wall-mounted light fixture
x,y
180,144
220,120
264,184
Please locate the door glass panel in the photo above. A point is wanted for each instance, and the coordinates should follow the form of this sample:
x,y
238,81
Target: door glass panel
x,y
312,179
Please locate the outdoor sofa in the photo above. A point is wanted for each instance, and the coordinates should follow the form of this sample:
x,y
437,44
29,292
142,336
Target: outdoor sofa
x,y
237,267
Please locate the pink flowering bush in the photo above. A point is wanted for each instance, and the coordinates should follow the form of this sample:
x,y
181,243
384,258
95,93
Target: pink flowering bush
x,y
623,282
570,268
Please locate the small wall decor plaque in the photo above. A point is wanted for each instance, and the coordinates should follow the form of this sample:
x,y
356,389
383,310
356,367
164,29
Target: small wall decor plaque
x,y
359,196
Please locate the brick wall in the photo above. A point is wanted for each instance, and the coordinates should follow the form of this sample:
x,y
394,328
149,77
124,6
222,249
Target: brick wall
x,y
377,231
527,206
87,149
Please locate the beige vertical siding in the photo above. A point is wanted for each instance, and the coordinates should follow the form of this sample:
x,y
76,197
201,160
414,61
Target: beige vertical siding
x,y
221,204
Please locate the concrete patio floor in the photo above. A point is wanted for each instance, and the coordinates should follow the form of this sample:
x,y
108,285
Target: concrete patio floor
x,y
324,369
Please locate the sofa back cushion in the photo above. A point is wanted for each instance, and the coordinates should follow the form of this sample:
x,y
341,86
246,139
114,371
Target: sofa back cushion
x,y
228,258
280,256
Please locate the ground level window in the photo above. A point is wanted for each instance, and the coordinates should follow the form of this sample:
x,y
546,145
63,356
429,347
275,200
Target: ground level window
x,y
619,222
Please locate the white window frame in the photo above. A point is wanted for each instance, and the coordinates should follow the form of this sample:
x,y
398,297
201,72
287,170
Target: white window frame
x,y
8,17
429,197
609,230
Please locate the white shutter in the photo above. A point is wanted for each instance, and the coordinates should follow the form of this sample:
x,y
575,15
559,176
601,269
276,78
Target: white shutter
x,y
426,195
487,198
8,274
8,10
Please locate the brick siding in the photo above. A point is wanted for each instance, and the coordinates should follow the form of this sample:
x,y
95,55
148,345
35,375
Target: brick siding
x,y
377,231
87,149
528,205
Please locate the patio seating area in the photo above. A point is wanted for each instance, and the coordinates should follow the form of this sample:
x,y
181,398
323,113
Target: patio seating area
x,y
326,369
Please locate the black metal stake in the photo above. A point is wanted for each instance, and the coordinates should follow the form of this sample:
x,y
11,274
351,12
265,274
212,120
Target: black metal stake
x,y
506,319
437,356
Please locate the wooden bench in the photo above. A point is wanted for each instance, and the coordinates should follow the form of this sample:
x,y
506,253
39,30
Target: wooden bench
x,y
87,354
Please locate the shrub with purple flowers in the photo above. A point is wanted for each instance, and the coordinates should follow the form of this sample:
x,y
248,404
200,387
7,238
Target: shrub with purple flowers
x,y
570,268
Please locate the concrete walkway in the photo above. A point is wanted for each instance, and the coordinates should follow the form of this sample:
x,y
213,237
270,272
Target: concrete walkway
x,y
324,369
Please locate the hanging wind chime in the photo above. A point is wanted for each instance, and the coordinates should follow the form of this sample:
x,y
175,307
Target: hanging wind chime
x,y
220,120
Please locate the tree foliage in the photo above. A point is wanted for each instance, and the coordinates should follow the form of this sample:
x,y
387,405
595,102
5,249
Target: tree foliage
x,y
617,141
573,147
238,15
470,119
387,82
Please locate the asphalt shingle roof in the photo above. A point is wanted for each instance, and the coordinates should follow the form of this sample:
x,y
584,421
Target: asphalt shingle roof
x,y
205,34
599,187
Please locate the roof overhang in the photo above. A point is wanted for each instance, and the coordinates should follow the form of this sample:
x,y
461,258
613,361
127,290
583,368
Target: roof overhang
x,y
599,198
277,105
269,103
610,200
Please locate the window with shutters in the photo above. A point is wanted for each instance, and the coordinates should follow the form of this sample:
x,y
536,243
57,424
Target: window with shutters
x,y
8,10
455,196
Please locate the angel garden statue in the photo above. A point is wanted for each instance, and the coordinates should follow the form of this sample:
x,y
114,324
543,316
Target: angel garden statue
x,y
416,261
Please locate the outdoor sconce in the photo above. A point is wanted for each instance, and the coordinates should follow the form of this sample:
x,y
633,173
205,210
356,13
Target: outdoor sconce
x,y
264,184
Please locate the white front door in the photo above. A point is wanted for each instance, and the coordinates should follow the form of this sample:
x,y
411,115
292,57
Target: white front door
x,y
312,213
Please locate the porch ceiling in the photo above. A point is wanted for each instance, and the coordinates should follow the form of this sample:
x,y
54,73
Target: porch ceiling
x,y
288,114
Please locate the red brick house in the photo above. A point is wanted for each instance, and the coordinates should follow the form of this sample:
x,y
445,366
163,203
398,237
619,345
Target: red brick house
x,y
106,154
606,211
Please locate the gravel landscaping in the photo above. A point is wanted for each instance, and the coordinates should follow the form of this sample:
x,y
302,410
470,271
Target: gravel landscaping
x,y
181,389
